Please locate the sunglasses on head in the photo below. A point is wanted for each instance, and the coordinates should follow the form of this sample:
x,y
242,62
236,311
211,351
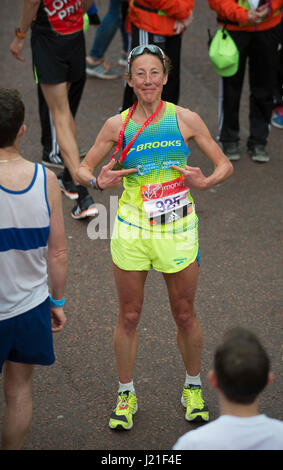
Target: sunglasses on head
x,y
151,48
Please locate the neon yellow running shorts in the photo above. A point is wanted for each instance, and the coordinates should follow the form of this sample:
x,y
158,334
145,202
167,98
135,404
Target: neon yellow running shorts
x,y
134,249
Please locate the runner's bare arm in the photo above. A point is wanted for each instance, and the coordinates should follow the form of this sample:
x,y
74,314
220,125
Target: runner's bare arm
x,y
57,252
193,127
29,10
106,139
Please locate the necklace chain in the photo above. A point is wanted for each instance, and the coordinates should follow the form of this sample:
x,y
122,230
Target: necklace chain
x,y
10,160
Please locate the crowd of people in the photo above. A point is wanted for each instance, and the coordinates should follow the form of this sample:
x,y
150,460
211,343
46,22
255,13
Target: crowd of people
x,y
156,225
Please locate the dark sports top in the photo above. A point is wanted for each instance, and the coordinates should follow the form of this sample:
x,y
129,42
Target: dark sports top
x,y
59,16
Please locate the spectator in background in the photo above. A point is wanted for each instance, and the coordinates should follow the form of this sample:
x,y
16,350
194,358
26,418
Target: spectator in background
x,y
51,156
95,61
277,113
240,374
58,53
31,239
51,153
255,27
162,23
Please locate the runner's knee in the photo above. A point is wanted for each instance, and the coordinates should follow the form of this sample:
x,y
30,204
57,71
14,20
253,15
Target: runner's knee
x,y
184,314
129,320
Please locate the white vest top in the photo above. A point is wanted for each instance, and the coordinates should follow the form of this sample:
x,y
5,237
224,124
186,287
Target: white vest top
x,y
24,232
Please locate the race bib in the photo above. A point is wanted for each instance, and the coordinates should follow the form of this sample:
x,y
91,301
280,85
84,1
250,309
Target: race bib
x,y
166,202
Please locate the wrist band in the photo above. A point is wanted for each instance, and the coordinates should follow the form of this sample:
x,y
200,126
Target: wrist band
x,y
94,184
57,303
19,34
97,185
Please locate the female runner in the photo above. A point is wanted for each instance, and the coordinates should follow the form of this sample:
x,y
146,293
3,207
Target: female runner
x,y
156,225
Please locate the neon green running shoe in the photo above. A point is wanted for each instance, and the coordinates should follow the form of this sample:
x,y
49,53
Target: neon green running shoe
x,y
122,416
196,409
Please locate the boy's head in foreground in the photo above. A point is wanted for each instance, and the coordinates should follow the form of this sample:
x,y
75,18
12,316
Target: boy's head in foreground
x,y
241,367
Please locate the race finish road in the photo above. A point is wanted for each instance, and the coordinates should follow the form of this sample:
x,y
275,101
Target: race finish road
x,y
240,277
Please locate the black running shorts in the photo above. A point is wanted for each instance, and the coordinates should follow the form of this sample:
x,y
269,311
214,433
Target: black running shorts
x,y
58,58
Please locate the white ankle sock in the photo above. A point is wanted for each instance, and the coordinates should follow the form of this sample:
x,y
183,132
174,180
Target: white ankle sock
x,y
128,386
192,380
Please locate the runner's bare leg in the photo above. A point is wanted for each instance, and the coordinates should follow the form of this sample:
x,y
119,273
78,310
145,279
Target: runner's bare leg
x,y
56,97
130,287
17,385
181,289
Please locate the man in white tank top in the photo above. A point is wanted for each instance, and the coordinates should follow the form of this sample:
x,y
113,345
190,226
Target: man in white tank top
x,y
31,239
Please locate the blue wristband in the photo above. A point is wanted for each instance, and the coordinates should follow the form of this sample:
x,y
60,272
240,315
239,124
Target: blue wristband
x,y
57,303
93,183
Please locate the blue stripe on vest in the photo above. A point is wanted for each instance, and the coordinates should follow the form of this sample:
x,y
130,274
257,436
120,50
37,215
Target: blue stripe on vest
x,y
23,238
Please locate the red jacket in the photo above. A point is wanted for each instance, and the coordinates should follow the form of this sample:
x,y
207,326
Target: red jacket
x,y
237,15
158,16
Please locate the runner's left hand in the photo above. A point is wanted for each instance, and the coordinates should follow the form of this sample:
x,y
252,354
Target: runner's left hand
x,y
193,177
58,319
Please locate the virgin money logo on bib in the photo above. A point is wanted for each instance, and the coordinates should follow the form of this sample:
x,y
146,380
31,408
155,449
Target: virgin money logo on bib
x,y
152,191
